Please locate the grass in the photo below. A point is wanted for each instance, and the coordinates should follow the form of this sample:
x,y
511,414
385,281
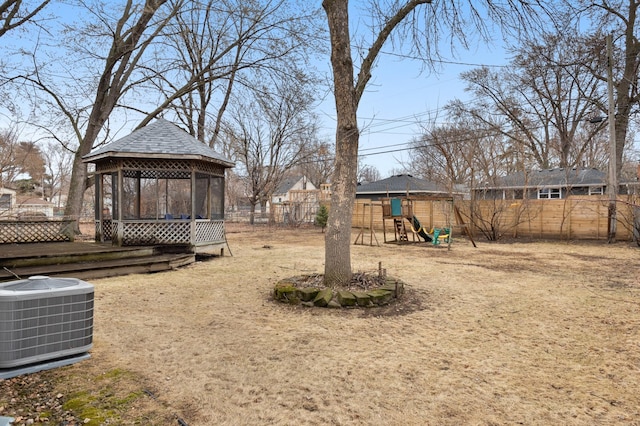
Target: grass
x,y
531,333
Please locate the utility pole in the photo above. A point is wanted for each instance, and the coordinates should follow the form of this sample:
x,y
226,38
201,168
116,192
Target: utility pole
x,y
612,187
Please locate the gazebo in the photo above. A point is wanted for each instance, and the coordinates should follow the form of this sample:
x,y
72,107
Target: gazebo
x,y
160,186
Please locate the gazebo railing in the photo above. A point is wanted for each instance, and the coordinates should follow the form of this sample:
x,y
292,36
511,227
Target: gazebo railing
x,y
36,231
150,232
209,231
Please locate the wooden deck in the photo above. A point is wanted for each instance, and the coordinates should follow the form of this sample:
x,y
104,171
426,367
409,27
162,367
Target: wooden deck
x,y
86,260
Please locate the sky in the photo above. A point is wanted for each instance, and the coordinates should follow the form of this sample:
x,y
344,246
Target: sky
x,y
396,99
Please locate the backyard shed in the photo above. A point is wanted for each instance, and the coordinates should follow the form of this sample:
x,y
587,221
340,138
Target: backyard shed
x,y
160,186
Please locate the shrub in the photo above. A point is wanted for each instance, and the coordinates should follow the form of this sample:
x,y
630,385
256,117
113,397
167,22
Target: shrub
x,y
322,216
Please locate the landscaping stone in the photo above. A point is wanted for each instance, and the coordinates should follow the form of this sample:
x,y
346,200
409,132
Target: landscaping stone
x,y
346,298
308,294
323,297
380,297
362,299
393,285
291,291
286,292
333,303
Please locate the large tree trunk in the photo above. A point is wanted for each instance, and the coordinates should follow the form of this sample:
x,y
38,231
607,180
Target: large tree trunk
x,y
337,267
338,235
78,181
252,213
337,263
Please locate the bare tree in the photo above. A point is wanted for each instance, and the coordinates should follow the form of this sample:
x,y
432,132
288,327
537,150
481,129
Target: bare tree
x,y
620,18
317,165
14,13
546,98
417,21
18,159
367,173
219,45
112,51
441,154
269,136
9,168
58,163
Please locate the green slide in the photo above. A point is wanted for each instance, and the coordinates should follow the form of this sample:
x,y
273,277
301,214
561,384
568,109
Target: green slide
x,y
420,230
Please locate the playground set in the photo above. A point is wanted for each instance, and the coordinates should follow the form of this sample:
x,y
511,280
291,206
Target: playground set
x,y
407,227
401,211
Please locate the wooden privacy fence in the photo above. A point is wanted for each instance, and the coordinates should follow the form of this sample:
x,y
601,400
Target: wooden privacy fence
x,y
36,231
572,218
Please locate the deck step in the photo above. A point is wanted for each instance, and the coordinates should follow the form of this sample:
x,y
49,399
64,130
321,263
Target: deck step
x,y
56,258
102,268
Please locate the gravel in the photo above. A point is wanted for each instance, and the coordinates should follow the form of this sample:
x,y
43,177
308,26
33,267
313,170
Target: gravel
x,y
31,399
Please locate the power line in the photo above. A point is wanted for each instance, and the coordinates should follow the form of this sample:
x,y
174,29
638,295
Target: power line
x,y
442,61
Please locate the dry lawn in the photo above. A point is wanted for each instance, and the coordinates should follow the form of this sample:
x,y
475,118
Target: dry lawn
x,y
534,333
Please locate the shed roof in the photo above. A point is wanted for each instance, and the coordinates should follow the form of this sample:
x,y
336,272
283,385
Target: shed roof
x,y
401,183
160,139
560,177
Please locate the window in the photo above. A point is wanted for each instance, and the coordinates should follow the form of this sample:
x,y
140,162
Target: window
x,y
547,193
596,190
5,201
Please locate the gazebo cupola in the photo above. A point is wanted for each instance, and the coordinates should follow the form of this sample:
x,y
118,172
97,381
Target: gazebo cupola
x,y
160,186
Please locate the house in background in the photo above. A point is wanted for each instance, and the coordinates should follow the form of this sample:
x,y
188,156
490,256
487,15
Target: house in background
x,y
288,186
557,183
7,202
400,186
30,207
13,206
297,200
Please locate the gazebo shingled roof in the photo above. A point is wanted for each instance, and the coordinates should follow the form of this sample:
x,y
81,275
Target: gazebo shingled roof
x,y
160,139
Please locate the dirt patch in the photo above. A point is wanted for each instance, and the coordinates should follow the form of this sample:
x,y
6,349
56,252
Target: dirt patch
x,y
537,333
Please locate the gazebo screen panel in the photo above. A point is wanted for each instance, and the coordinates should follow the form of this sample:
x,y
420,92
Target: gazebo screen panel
x,y
209,197
151,206
108,200
129,198
178,198
202,208
217,198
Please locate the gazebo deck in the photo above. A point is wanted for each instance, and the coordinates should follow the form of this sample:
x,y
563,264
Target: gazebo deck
x,y
86,260
38,250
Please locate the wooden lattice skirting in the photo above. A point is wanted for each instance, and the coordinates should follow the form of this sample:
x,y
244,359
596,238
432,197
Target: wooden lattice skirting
x,y
37,231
